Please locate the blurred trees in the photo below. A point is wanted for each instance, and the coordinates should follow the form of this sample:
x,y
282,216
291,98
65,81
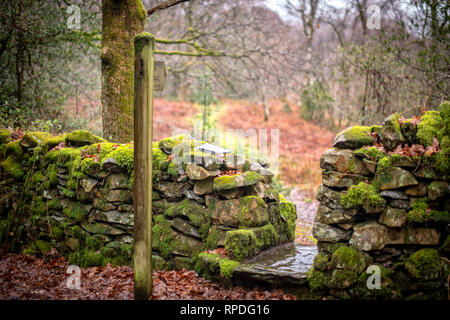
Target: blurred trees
x,y
43,61
319,57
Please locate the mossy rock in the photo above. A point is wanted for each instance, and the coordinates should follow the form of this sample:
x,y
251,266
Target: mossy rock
x,y
13,168
391,132
348,258
240,244
249,211
245,179
33,139
5,136
428,127
363,195
169,143
79,138
354,137
424,264
42,245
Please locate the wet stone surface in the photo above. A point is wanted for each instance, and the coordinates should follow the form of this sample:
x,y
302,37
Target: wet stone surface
x,y
283,264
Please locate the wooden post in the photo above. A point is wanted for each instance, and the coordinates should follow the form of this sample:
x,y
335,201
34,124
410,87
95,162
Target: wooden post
x,y
143,123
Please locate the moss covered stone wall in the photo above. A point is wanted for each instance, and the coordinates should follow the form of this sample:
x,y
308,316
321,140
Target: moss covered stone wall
x,y
384,200
73,193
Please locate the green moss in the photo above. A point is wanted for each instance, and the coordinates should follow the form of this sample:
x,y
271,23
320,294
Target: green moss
x,y
51,142
266,236
195,212
123,155
317,279
420,212
167,144
12,148
4,136
42,245
430,123
140,40
359,134
348,258
371,152
424,264
52,176
361,194
78,233
172,170
33,139
238,180
240,244
321,262
94,242
75,212
227,267
208,264
160,162
213,238
162,236
13,168
86,258
80,138
63,155
289,213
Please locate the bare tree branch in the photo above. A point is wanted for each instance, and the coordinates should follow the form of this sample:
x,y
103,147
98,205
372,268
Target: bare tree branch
x,y
164,5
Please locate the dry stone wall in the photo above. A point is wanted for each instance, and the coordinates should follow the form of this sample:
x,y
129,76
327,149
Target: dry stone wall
x,y
384,201
73,193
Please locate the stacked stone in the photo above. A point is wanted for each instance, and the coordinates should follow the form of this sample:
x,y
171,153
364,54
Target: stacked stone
x,y
385,208
73,192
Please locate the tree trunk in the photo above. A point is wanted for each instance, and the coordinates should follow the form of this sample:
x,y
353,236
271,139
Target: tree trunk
x,y
122,20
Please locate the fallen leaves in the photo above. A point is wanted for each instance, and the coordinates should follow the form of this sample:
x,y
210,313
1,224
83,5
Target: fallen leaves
x,y
25,277
187,285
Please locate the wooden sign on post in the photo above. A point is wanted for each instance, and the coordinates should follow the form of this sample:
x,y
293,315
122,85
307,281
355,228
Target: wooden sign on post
x,y
143,123
159,76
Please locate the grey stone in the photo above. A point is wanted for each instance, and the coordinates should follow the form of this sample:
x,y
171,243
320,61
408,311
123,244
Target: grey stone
x,y
185,227
353,138
204,186
400,204
394,194
172,190
393,217
111,165
344,161
88,183
118,181
328,215
247,211
118,195
324,232
391,133
329,197
341,180
195,172
395,178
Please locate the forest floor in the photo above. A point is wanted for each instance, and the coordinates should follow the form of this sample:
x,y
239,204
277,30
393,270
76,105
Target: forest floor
x,y
24,277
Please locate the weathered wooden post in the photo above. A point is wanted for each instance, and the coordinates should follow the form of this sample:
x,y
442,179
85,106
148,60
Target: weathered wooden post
x,y
149,76
143,122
